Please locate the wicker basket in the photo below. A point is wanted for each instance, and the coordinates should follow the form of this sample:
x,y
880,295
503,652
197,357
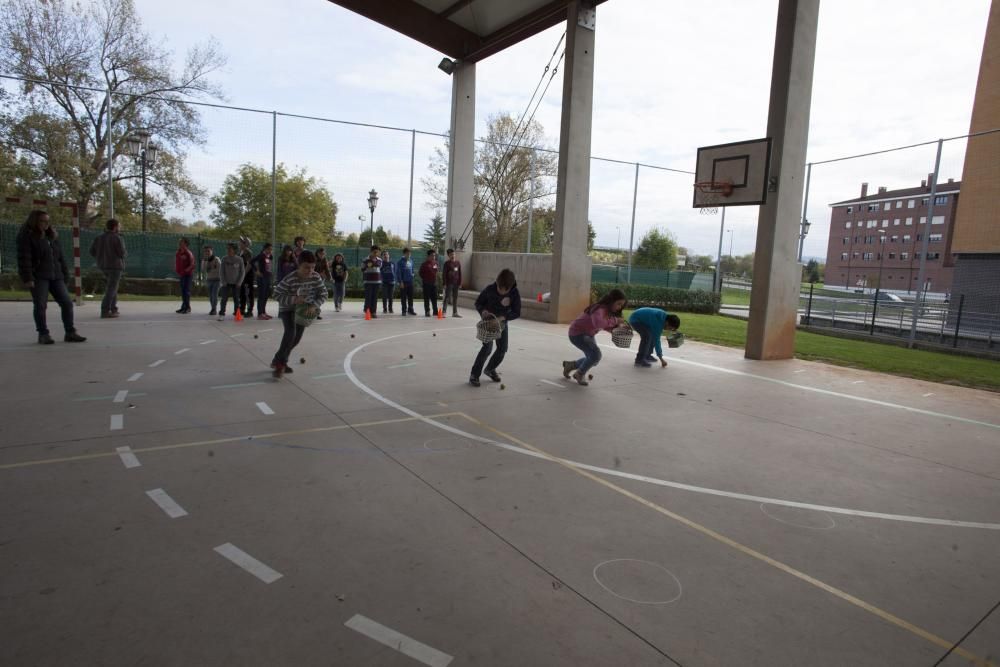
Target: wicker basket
x,y
489,329
621,335
675,339
305,314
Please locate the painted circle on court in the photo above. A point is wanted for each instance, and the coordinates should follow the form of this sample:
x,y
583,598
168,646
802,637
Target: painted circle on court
x,y
638,581
799,517
446,444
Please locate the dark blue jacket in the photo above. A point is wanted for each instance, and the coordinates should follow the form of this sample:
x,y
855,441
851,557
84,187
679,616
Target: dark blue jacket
x,y
404,269
40,257
491,300
389,273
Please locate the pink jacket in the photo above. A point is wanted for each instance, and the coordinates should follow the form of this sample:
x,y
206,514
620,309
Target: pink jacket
x,y
590,324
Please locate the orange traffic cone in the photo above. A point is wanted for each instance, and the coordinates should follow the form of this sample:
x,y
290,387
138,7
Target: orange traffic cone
x,y
238,316
440,313
368,314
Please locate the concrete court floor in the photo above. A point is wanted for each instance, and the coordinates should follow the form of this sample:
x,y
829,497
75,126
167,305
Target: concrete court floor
x,y
667,533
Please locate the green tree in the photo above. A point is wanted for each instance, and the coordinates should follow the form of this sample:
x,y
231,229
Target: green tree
x,y
434,235
383,239
657,250
303,205
78,59
810,272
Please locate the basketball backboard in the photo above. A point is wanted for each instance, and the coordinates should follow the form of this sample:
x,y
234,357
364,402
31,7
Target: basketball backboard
x,y
732,174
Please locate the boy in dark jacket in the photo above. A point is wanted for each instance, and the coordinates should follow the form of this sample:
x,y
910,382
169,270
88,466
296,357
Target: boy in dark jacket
x,y
404,272
43,270
231,275
109,251
371,274
502,300
388,281
262,266
452,283
429,276
249,278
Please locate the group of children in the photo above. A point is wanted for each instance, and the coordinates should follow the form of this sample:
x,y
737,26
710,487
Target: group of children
x,y
379,272
236,275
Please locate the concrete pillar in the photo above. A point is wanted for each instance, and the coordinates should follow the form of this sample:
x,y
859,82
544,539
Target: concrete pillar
x,y
461,155
774,298
570,263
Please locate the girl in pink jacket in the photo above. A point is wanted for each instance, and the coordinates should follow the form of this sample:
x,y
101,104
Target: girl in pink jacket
x,y
601,316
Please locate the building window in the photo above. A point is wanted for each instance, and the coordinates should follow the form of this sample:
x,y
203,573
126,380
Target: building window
x,y
935,238
843,256
885,223
892,255
895,223
847,239
918,237
888,206
937,220
904,255
933,255
923,220
941,199
911,203
850,209
872,207
899,204
871,223
855,255
894,238
906,238
847,225
923,202
909,222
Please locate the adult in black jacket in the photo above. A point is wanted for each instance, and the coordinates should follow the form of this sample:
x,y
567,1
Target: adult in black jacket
x,y
503,301
43,270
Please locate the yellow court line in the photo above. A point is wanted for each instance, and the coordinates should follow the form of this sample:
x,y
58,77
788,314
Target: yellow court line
x,y
788,569
201,443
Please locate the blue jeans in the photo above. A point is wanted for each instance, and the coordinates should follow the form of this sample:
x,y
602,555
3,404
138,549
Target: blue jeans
x,y
186,292
263,291
371,297
213,294
227,292
387,291
591,353
338,293
406,297
291,337
646,341
40,296
110,301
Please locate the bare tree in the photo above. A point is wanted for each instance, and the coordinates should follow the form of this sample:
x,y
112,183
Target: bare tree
x,y
77,61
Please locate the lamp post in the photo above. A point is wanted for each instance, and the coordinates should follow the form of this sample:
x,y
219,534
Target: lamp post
x,y
372,203
804,227
878,281
144,152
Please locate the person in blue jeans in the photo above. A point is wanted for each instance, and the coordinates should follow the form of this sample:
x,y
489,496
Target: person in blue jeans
x,y
650,323
404,274
604,315
371,274
43,270
501,300
388,281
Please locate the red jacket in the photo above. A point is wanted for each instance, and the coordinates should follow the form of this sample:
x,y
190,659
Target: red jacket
x,y
453,272
184,262
429,271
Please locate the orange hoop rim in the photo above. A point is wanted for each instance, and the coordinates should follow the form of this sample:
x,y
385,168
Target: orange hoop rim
x,y
724,188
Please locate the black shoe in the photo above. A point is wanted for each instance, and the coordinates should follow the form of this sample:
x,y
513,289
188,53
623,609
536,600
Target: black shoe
x,y
650,358
384,311
492,374
318,317
288,369
568,367
455,315
642,363
279,370
45,339
427,314
411,312
403,313
473,380
73,337
211,312
180,311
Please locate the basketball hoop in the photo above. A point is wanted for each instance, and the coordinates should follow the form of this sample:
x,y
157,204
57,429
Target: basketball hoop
x,y
712,194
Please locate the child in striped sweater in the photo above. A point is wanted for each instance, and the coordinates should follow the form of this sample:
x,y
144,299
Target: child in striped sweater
x,y
303,285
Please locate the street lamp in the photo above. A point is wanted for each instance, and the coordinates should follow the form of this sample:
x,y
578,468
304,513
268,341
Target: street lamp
x,y
803,233
144,152
372,203
878,283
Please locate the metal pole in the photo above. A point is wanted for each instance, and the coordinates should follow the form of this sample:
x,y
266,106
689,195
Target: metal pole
x,y
413,153
631,234
927,236
958,320
718,257
371,227
809,308
274,179
142,162
531,195
878,285
805,208
111,157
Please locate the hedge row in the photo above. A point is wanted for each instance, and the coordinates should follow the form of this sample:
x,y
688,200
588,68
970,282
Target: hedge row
x,y
668,298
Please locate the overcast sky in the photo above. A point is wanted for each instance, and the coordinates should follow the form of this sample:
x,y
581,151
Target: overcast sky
x,y
670,76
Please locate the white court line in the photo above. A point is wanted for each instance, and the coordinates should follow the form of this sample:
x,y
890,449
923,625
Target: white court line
x,y
206,342
135,376
182,350
157,363
930,393
858,382
617,473
237,335
398,641
801,370
265,330
412,363
802,387
330,375
166,503
248,563
128,458
234,386
117,422
265,408
554,384
120,396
